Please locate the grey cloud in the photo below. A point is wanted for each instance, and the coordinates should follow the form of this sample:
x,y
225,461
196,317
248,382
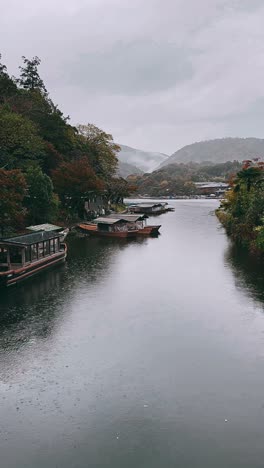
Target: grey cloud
x,y
157,74
141,67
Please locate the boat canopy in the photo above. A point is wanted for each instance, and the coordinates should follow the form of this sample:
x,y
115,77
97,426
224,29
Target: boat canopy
x,y
29,239
45,227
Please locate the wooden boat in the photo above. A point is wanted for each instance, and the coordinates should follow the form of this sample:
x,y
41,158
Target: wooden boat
x,y
149,230
109,227
140,223
24,256
149,208
119,225
63,232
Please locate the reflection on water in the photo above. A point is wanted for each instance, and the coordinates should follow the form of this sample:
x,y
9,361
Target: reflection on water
x,y
33,308
248,271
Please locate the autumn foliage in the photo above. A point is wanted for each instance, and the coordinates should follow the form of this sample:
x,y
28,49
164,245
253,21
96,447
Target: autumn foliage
x,y
62,164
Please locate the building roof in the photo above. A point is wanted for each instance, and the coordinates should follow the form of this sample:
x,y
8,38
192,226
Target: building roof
x,y
45,227
29,239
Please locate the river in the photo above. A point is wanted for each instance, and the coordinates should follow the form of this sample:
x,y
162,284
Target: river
x,y
137,354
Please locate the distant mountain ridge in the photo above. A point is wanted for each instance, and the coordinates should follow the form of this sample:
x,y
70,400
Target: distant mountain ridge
x,y
125,169
217,151
146,161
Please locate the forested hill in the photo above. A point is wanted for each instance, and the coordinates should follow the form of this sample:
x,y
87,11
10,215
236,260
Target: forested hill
x,y
125,169
146,161
217,151
48,167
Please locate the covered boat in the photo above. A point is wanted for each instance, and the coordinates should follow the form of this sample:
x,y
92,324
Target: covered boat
x,y
119,225
63,232
109,227
141,223
149,208
26,255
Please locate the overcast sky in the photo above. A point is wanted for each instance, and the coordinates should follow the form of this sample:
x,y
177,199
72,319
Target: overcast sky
x,y
157,74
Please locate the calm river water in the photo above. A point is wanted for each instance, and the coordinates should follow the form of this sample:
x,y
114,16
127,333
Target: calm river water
x,y
137,354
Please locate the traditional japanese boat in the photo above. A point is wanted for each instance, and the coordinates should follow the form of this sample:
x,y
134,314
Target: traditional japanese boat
x,y
119,225
109,227
140,223
63,232
149,208
24,256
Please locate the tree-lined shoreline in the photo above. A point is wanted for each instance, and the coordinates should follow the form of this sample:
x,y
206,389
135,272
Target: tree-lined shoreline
x,y
47,166
242,210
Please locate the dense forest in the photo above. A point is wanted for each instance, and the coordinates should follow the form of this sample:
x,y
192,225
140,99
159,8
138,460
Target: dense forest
x,y
179,179
48,167
242,210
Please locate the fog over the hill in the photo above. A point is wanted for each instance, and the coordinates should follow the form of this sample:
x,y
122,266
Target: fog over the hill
x,y
158,74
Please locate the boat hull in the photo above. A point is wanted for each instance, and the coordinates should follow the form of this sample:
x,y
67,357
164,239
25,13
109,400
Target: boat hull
x,y
92,230
149,230
12,277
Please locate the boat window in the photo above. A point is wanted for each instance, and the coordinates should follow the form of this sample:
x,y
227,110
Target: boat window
x,y
52,246
46,248
34,252
27,254
56,243
40,250
3,255
15,255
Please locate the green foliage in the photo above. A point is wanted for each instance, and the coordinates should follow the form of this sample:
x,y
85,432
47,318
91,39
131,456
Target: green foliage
x,y
7,85
101,150
12,193
37,138
29,76
19,141
242,210
179,179
41,202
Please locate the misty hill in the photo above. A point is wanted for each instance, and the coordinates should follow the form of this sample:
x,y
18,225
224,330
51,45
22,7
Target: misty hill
x,y
125,169
179,179
146,161
217,151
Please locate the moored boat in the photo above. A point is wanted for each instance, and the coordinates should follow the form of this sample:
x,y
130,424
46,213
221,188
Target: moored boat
x,y
63,232
140,223
149,208
24,256
109,227
119,225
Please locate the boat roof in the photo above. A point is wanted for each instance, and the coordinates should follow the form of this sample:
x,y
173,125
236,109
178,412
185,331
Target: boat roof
x,y
128,217
151,205
29,239
107,220
44,227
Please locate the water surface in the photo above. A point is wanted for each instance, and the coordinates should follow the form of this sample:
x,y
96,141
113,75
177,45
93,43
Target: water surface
x,y
137,354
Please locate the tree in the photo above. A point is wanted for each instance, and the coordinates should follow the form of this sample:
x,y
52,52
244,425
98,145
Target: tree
x,y
19,141
100,149
12,192
118,189
249,176
41,202
74,181
29,75
7,86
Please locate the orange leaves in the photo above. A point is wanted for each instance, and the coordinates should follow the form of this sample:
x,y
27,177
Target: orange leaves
x,y
76,178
